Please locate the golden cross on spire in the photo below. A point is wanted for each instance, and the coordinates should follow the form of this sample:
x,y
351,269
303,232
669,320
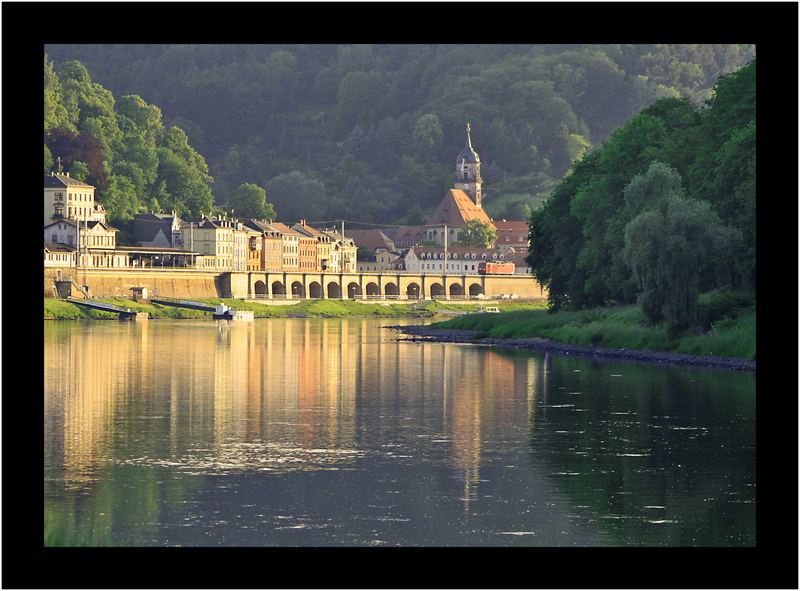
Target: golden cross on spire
x,y
469,139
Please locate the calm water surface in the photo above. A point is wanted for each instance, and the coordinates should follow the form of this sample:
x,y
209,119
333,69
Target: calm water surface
x,y
315,432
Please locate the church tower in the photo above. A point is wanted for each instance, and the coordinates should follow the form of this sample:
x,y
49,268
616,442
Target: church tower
x,y
468,171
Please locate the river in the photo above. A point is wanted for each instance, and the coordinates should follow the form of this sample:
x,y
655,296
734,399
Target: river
x,y
330,432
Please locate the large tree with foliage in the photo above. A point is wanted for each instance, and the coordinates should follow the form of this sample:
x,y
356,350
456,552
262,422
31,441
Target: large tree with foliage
x,y
250,201
121,147
477,233
578,237
670,243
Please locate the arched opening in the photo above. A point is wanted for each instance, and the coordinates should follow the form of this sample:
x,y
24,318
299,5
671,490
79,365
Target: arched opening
x,y
456,290
391,289
437,290
412,291
314,290
334,291
278,290
475,289
260,289
353,290
372,289
298,291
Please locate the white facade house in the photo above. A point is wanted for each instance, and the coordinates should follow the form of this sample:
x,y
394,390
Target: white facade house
x,y
460,259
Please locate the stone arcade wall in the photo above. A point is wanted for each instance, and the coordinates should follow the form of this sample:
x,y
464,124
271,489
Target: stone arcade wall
x,y
109,283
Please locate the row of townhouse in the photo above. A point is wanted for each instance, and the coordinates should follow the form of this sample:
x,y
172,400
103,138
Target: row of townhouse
x,y
433,259
76,233
263,245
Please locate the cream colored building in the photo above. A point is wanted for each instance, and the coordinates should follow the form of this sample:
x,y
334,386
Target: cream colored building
x,y
88,234
383,260
67,198
221,243
344,253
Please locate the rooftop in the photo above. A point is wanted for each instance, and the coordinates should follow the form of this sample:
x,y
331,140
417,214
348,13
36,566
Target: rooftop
x,y
456,209
63,180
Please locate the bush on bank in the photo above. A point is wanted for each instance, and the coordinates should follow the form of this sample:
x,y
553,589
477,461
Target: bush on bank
x,y
729,328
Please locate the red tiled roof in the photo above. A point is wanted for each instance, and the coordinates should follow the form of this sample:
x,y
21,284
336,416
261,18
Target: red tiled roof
x,y
511,226
456,209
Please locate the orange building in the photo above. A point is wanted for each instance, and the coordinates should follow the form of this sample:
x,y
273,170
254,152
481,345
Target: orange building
x,y
307,247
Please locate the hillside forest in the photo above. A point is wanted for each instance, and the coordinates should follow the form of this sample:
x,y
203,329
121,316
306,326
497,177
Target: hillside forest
x,y
361,132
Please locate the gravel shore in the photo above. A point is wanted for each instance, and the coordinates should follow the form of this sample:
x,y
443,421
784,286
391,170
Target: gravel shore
x,y
425,333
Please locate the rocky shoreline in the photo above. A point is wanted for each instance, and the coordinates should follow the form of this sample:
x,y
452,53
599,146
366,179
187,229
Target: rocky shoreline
x,y
425,333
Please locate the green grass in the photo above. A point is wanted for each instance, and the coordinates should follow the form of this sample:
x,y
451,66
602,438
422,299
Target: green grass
x,y
732,335
60,309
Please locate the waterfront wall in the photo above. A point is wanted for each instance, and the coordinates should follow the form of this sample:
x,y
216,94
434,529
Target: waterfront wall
x,y
118,282
183,283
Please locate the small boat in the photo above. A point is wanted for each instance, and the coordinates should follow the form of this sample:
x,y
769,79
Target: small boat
x,y
488,309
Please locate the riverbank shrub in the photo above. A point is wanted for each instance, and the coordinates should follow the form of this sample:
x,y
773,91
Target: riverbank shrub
x,y
622,327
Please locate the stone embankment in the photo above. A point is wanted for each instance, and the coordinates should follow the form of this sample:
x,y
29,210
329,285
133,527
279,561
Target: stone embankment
x,y
425,333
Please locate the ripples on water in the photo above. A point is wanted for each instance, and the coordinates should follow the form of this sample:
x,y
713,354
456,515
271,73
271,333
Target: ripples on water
x,y
330,432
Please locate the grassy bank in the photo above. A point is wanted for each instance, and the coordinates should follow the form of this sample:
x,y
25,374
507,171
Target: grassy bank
x,y
62,310
729,322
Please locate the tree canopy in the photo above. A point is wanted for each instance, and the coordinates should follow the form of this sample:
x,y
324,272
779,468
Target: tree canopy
x,y
121,147
477,233
675,181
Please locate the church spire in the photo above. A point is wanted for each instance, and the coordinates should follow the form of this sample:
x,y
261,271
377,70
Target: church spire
x,y
468,170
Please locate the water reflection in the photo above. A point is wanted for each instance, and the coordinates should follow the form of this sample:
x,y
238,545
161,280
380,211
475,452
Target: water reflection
x,y
330,432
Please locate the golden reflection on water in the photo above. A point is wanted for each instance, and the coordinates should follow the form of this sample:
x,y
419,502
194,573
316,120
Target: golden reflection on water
x,y
264,395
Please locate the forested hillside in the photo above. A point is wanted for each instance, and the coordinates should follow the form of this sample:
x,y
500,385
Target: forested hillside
x,y
369,132
665,209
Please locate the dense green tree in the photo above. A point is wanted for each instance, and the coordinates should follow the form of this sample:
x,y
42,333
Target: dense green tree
x,y
55,114
79,170
669,245
477,233
297,196
427,137
48,160
250,201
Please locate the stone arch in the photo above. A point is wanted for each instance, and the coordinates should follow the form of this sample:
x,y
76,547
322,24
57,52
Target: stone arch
x,y
278,289
298,291
353,290
314,290
475,289
334,291
456,290
260,289
437,290
412,291
372,289
391,289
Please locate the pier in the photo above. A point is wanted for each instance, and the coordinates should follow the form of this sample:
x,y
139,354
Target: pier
x,y
124,313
